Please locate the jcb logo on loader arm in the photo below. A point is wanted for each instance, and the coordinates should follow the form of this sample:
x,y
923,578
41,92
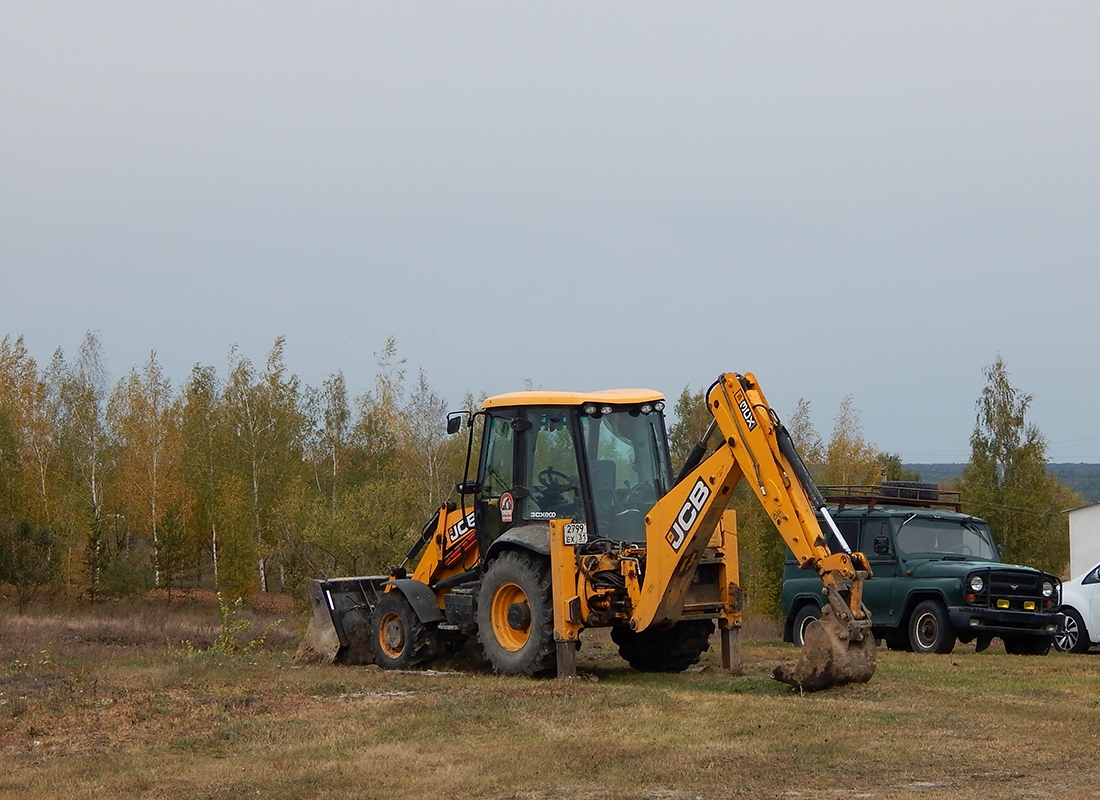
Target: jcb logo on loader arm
x,y
688,515
460,528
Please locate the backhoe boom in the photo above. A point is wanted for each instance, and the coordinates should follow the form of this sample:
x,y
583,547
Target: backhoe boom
x,y
757,448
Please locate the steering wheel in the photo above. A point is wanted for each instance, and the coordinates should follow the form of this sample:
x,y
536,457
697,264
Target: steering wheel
x,y
549,479
635,496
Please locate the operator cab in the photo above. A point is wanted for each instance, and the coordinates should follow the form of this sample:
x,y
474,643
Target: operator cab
x,y
600,459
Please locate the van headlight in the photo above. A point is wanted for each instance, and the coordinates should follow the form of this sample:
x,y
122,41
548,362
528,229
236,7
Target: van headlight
x,y
977,583
1047,589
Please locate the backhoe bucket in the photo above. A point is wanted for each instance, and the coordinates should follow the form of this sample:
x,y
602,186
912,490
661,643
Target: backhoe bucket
x,y
831,656
323,644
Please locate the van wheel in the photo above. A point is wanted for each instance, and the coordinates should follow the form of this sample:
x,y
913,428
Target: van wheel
x,y
807,614
899,641
930,629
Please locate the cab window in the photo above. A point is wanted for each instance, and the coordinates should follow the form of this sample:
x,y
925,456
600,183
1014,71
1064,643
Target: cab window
x,y
551,467
627,467
500,458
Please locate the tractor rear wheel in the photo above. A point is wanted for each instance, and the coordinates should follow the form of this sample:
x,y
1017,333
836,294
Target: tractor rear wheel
x,y
515,615
664,650
399,639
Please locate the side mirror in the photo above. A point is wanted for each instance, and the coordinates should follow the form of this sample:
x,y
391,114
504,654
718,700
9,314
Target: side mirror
x,y
454,423
882,546
467,487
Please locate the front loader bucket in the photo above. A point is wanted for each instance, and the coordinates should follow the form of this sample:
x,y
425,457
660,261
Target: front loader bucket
x,y
832,656
322,643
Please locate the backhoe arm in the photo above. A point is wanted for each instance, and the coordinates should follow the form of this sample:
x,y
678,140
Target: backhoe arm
x,y
678,528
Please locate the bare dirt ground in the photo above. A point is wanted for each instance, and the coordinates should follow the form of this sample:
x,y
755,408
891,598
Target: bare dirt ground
x,y
141,700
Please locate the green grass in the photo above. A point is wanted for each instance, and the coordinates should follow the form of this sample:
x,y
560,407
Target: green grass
x,y
88,718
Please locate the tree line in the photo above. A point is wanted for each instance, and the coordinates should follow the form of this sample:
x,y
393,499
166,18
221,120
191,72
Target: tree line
x,y
243,482
252,482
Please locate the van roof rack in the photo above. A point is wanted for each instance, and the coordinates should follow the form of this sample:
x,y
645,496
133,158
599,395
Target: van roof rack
x,y
893,493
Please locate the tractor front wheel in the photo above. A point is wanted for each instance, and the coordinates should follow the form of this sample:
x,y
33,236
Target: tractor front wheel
x,y
400,640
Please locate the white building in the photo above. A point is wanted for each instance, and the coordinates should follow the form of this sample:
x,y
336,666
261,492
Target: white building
x,y
1084,538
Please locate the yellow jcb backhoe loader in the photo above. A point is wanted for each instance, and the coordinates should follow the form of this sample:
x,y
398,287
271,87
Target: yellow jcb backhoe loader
x,y
575,521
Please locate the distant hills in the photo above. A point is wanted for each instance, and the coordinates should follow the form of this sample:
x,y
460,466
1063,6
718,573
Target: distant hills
x,y
1081,478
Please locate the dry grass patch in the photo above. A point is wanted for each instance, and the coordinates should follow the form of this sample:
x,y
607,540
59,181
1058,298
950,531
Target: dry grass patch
x,y
87,718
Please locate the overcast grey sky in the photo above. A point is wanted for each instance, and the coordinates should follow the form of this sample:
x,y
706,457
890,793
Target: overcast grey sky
x,y
862,199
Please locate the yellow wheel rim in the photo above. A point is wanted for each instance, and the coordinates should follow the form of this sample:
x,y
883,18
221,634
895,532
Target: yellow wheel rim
x,y
391,635
510,638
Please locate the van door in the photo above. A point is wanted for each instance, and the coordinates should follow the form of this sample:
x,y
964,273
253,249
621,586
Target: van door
x,y
879,592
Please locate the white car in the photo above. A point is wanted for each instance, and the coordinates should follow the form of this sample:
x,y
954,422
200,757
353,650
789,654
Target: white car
x,y
1081,607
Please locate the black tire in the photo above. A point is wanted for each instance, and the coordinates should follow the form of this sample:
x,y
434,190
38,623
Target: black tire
x,y
449,644
1027,645
930,629
899,641
515,615
806,614
399,639
664,650
1074,636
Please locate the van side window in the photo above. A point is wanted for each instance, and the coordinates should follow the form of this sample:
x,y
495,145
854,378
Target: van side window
x,y
849,529
872,529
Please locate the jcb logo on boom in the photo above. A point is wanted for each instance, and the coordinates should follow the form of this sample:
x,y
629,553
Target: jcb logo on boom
x,y
746,410
688,515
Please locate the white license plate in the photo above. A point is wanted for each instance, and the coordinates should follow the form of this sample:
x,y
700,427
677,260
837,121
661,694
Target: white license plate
x,y
576,533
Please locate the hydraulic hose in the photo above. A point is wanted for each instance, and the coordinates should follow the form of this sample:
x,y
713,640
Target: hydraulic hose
x,y
787,448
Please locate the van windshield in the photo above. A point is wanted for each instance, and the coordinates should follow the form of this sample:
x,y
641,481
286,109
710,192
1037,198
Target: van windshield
x,y
945,536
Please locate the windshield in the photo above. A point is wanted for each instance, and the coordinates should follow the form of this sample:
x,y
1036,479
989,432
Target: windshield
x,y
946,537
629,468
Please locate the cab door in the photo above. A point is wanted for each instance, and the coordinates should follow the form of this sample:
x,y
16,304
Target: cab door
x,y
529,473
500,452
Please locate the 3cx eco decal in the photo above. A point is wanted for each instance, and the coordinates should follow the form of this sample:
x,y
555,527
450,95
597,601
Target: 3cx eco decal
x,y
746,409
688,515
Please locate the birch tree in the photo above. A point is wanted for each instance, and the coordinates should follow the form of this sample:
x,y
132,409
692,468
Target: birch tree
x,y
202,433
330,437
23,395
266,426
144,421
80,392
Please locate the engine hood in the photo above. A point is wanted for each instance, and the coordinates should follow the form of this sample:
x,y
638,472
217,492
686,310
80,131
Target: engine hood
x,y
938,567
